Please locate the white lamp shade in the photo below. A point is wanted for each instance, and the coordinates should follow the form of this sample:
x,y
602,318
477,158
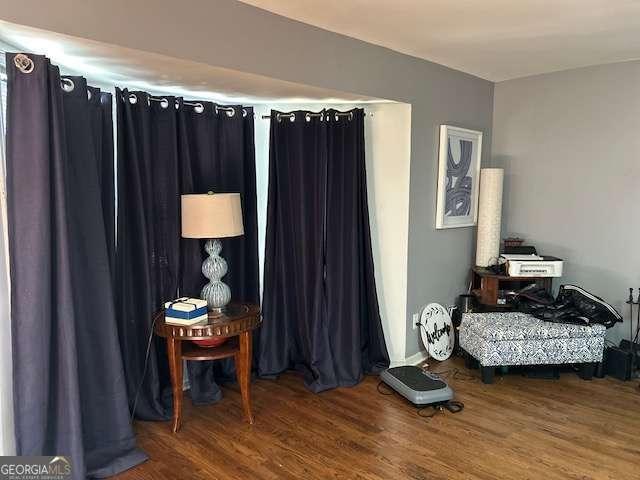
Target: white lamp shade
x,y
211,215
489,217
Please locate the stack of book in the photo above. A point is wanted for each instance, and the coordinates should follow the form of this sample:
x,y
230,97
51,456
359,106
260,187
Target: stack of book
x,y
186,311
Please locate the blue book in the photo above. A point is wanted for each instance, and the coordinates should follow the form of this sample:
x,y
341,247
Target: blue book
x,y
170,312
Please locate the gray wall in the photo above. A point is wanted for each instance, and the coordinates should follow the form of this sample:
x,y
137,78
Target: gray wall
x,y
230,34
570,146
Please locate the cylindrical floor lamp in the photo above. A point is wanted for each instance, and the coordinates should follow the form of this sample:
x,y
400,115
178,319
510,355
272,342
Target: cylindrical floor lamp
x,y
489,217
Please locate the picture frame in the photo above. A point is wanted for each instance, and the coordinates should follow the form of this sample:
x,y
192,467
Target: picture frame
x,y
459,155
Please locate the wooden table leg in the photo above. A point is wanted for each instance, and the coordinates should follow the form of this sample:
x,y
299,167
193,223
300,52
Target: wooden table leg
x,y
174,350
243,371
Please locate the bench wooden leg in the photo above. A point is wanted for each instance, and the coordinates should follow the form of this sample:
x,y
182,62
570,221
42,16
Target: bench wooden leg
x,y
487,374
586,371
470,363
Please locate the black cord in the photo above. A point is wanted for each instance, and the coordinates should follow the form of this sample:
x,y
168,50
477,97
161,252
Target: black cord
x,y
389,390
144,369
455,374
436,410
452,406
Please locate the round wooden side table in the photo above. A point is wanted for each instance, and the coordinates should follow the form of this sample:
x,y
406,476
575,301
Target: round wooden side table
x,y
238,320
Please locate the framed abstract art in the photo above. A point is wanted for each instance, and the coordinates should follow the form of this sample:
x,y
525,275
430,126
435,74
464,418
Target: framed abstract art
x,y
458,177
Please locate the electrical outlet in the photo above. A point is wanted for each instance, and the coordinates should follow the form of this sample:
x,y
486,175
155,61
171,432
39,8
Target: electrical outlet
x,y
416,320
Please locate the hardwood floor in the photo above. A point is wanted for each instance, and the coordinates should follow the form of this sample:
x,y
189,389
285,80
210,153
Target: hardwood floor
x,y
517,428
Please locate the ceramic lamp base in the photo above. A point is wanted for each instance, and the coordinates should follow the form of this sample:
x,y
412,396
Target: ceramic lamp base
x,y
216,292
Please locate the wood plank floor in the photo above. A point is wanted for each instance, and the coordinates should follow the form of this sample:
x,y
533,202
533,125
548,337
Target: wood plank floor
x,y
517,428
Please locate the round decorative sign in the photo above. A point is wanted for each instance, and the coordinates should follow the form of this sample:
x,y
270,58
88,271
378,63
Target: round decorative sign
x,y
436,329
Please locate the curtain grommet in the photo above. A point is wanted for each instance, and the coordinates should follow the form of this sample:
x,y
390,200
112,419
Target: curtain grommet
x,y
350,116
230,111
244,112
133,98
164,103
67,84
89,94
23,63
307,117
292,118
198,108
278,118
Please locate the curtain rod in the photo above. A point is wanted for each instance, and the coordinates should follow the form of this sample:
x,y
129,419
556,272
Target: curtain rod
x,y
292,116
198,107
26,65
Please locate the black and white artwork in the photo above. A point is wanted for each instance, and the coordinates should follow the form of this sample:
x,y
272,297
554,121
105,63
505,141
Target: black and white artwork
x,y
458,177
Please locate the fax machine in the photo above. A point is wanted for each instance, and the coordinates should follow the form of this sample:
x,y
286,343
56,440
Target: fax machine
x,y
531,265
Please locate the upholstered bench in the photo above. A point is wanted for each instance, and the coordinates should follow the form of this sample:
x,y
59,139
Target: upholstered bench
x,y
512,338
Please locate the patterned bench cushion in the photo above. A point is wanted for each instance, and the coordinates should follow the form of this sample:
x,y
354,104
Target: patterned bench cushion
x,y
512,338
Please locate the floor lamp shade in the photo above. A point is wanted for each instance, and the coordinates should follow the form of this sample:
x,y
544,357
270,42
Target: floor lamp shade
x,y
489,216
213,216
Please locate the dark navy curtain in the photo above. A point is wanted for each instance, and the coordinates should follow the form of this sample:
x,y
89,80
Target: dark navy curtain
x,y
101,123
164,151
353,314
320,307
69,390
219,153
147,250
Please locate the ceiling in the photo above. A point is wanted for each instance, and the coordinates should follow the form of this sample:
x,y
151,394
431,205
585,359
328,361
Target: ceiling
x,y
107,65
493,39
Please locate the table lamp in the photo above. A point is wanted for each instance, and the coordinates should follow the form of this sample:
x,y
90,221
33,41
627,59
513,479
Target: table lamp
x,y
213,216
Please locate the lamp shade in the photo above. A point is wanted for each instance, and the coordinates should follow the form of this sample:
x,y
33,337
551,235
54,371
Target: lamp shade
x,y
211,215
489,217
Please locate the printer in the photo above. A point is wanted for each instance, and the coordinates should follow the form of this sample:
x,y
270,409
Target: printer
x,y
531,265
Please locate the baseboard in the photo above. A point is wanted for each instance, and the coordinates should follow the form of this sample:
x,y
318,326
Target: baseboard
x,y
414,359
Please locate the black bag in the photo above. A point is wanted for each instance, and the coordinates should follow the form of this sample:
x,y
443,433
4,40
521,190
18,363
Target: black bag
x,y
572,305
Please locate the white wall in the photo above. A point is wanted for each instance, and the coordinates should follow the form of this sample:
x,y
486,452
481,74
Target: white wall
x,y
570,146
388,150
388,155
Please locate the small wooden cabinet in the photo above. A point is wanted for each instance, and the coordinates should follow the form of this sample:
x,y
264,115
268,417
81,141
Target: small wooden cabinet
x,y
487,285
